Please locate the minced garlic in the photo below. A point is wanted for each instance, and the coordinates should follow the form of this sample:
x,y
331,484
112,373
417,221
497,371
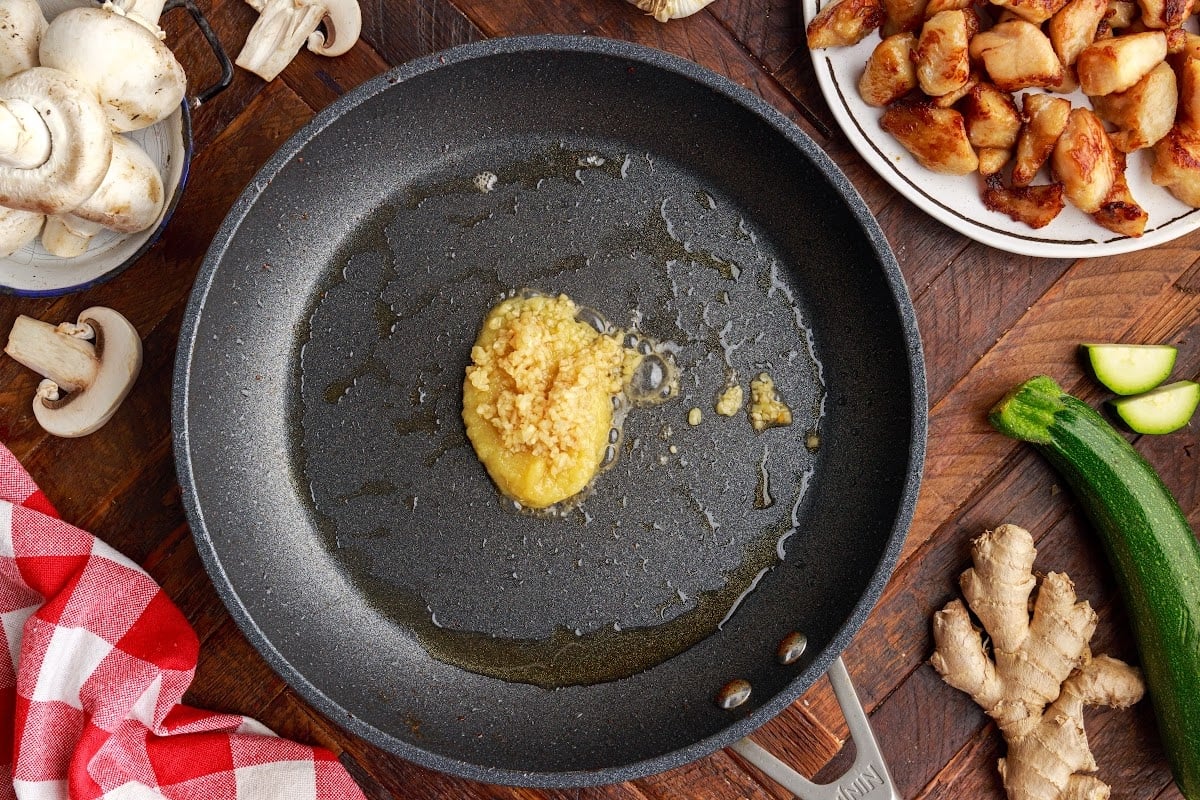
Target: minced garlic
x,y
729,402
538,398
767,410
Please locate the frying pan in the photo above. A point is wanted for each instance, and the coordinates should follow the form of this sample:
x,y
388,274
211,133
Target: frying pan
x,y
345,519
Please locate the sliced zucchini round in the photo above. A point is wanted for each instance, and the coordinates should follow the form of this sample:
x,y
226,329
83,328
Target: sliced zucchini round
x,y
1131,368
1165,409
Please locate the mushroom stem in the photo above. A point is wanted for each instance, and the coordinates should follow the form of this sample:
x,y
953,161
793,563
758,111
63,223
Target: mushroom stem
x,y
144,12
24,137
283,26
68,360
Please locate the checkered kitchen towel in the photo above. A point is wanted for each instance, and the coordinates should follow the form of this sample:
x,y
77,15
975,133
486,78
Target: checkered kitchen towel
x,y
100,657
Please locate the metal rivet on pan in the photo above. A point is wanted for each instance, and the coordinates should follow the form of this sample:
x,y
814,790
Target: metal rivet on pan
x,y
733,694
791,647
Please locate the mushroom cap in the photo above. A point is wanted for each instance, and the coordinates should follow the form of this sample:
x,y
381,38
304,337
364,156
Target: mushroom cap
x,y
130,198
80,143
17,229
119,350
22,24
343,24
135,76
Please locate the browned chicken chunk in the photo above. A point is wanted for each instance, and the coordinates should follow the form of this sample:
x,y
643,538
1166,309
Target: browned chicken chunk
x,y
936,137
890,73
844,22
1114,65
1084,161
1035,11
933,7
1036,206
991,116
1119,212
943,64
1189,93
902,15
1045,118
1017,55
1074,27
1177,164
1120,13
1164,13
992,159
952,98
1144,112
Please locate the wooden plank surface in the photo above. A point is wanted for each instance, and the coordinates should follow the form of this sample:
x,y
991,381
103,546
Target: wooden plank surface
x,y
988,319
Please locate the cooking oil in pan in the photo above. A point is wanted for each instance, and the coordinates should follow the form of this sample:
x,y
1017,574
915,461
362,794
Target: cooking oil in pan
x,y
687,521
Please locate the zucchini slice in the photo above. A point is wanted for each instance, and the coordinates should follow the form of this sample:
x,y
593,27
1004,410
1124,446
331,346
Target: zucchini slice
x,y
1162,410
1131,368
1152,549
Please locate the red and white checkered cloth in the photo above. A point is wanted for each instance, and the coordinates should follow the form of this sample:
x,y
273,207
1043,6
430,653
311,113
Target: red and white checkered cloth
x,y
99,660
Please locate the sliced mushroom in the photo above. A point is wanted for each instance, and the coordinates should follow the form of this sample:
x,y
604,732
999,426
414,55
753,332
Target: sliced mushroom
x,y
97,375
22,24
665,10
17,229
131,72
284,25
55,143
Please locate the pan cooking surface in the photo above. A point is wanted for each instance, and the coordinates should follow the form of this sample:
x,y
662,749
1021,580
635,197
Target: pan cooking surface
x,y
687,518
347,522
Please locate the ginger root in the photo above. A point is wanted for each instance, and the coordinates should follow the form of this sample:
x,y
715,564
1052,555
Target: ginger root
x,y
1042,672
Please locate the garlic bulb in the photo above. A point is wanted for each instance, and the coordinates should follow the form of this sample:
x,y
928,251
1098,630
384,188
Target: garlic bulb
x,y
663,10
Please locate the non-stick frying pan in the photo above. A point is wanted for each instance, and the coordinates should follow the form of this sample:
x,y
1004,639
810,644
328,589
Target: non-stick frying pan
x,y
350,528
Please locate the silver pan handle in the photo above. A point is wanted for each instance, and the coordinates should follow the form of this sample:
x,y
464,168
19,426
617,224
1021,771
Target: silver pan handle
x,y
867,778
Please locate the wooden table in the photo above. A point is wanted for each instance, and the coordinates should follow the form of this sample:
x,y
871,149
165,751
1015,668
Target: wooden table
x,y
988,320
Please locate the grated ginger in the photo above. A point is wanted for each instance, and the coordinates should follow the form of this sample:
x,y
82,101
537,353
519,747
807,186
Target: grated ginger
x,y
537,400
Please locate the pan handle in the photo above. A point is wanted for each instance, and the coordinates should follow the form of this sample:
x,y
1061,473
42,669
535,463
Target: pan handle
x,y
868,777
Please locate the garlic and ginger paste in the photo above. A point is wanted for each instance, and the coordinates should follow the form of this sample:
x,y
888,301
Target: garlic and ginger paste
x,y
767,410
538,398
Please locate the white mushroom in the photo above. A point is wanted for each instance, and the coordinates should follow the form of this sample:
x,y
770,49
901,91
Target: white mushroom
x,y
21,29
68,236
55,143
663,10
97,375
130,199
284,25
132,73
17,229
145,12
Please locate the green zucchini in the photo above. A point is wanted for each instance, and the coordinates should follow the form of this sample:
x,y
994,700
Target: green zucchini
x,y
1131,368
1162,410
1152,549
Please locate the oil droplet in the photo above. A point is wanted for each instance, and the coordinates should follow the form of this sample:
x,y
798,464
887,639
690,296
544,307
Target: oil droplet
x,y
791,647
733,694
762,492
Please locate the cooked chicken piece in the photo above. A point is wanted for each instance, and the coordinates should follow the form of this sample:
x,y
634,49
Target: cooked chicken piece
x,y
1165,13
1142,113
1017,55
936,137
1074,27
1177,164
1045,118
1084,161
991,116
890,73
844,22
902,15
933,7
1119,212
1035,11
1183,46
1069,82
992,160
943,64
1113,65
1036,206
948,100
1120,13
1189,93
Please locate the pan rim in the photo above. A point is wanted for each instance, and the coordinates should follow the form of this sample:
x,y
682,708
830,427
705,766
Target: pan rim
x,y
549,43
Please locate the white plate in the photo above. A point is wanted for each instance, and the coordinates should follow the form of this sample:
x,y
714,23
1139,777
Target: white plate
x,y
956,200
31,271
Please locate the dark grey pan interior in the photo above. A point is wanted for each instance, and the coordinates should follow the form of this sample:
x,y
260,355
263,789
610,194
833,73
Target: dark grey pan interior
x,y
345,519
